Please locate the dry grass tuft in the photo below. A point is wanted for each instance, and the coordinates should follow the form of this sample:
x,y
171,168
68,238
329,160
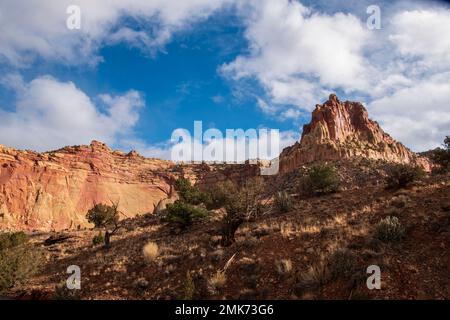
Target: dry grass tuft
x,y
318,273
150,251
218,280
284,266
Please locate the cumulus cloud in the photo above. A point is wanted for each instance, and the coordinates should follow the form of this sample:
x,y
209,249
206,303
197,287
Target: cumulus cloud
x,y
411,102
421,34
36,28
293,49
50,114
418,115
299,56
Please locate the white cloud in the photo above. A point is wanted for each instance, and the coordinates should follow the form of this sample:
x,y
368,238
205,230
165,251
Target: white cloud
x,y
300,56
419,115
423,34
38,28
50,114
411,101
292,49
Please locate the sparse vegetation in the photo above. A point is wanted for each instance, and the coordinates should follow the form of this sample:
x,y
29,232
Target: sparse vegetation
x,y
18,259
389,229
441,156
189,207
219,195
217,281
284,266
188,193
98,239
184,214
150,252
283,201
400,175
341,263
321,179
64,293
9,240
244,204
317,275
106,217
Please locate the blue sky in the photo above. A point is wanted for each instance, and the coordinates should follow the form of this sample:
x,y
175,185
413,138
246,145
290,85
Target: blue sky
x,y
137,70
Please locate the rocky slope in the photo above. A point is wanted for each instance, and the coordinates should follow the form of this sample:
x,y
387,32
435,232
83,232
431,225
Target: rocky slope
x,y
343,130
54,190
414,268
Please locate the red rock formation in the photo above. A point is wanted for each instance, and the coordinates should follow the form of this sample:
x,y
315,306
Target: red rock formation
x,y
54,190
343,130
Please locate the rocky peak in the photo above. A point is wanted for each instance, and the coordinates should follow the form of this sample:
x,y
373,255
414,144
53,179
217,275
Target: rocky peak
x,y
99,146
342,130
133,153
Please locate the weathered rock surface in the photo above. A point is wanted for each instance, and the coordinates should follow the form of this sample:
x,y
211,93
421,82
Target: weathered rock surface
x,y
340,130
54,190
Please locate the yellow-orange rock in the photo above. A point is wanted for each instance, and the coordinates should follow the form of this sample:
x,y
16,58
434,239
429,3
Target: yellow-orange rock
x,y
54,190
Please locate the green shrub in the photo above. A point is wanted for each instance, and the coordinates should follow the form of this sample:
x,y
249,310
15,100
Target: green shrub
x,y
321,179
187,192
389,229
244,204
441,156
341,263
183,213
400,175
106,217
283,201
98,239
18,259
219,195
102,215
9,240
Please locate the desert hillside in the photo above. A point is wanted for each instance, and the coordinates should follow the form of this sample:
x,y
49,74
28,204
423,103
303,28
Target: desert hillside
x,y
276,256
347,196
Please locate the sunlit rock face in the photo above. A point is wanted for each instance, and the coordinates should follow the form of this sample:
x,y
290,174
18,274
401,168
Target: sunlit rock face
x,y
53,190
343,130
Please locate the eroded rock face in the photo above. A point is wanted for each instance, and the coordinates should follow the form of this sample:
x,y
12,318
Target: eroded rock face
x,y
343,130
54,190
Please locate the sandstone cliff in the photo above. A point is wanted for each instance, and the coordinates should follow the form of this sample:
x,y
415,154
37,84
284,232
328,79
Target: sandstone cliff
x,y
343,130
54,190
